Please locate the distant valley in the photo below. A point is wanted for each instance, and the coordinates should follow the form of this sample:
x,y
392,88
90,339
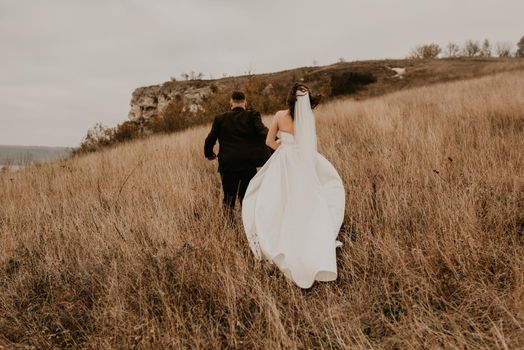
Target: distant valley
x,y
22,155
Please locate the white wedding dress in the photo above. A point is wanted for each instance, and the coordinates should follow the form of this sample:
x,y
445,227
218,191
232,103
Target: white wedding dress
x,y
294,206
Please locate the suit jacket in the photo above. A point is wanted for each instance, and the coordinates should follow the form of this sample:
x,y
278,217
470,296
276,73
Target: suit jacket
x,y
242,139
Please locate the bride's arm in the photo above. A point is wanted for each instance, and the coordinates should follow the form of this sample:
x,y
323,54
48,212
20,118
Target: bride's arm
x,y
272,133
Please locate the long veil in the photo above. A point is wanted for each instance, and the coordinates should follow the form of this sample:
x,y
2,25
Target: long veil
x,y
305,130
309,182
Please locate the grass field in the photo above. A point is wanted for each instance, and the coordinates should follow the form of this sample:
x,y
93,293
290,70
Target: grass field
x,y
126,248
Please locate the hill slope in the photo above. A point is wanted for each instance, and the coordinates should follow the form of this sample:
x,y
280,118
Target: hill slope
x,y
178,105
127,248
265,91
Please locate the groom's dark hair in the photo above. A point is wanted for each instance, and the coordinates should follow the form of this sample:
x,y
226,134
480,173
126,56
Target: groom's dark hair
x,y
238,96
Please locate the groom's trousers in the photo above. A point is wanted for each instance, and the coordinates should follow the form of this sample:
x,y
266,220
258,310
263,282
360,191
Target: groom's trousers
x,y
234,184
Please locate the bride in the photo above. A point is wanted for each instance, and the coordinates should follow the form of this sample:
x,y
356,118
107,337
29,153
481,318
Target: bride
x,y
294,206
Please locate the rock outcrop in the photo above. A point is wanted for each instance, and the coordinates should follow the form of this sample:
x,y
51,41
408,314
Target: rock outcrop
x,y
150,101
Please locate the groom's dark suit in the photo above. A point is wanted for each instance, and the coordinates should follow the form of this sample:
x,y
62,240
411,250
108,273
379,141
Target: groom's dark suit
x,y
241,136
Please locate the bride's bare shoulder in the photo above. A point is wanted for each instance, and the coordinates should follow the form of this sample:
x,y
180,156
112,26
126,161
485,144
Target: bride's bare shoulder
x,y
277,115
282,113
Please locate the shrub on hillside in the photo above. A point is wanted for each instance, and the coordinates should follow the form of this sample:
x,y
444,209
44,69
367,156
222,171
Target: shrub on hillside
x,y
126,131
100,136
173,118
350,82
97,137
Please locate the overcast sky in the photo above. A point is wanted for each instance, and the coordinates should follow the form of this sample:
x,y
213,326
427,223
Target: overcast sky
x,y
68,64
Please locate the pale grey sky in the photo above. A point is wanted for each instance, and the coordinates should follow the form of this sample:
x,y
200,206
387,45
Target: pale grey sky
x,y
67,64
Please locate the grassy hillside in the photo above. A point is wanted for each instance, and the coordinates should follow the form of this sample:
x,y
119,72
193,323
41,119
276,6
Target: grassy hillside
x,y
26,154
126,248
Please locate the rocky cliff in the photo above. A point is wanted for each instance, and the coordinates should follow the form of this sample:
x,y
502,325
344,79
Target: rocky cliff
x,y
150,101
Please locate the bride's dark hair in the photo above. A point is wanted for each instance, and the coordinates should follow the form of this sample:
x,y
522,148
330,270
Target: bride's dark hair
x,y
314,99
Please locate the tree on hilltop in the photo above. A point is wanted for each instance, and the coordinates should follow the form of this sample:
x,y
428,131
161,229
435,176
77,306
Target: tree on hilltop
x,y
426,51
471,48
485,50
452,50
503,49
520,50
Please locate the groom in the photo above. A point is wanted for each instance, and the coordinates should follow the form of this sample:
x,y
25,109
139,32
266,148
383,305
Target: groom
x,y
241,136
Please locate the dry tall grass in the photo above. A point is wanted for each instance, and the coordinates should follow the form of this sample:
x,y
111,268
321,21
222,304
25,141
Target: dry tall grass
x,y
126,248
